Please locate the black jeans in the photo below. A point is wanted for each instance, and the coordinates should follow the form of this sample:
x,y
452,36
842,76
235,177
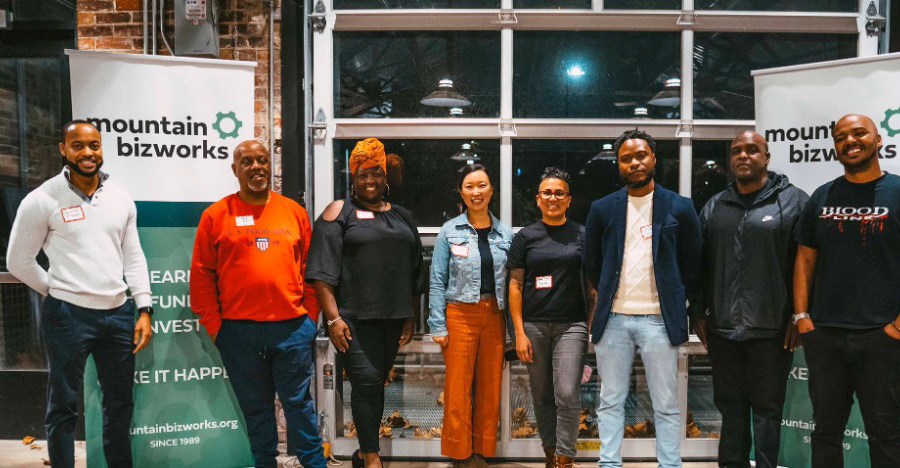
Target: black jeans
x,y
841,362
265,358
749,381
73,333
368,362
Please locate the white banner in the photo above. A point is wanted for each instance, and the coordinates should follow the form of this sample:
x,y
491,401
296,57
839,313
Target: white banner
x,y
796,107
169,126
168,123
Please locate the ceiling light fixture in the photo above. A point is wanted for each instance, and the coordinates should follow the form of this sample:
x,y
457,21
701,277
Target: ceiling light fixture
x,y
465,154
575,71
445,96
668,97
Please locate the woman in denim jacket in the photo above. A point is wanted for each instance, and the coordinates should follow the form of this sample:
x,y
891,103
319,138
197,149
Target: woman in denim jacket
x,y
468,291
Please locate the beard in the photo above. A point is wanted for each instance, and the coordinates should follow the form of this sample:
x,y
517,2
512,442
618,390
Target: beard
x,y
651,174
74,168
258,185
860,164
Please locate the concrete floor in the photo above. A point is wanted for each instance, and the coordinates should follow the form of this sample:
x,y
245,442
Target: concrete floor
x,y
15,454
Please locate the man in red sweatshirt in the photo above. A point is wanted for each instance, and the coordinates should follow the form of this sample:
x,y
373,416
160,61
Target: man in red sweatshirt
x,y
247,286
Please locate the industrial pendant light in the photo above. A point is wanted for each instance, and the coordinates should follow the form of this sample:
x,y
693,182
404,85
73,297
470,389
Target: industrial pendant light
x,y
606,154
668,97
465,154
445,96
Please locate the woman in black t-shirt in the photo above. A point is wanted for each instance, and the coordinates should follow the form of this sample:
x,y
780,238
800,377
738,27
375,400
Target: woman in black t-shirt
x,y
366,264
548,306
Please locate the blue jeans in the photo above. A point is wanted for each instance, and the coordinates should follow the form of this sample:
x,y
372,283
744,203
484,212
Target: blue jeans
x,y
263,358
73,333
615,357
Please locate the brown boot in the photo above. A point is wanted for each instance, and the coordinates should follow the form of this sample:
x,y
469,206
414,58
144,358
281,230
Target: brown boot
x,y
562,461
549,454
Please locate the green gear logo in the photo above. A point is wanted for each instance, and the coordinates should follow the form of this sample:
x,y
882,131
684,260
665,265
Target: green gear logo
x,y
235,124
886,123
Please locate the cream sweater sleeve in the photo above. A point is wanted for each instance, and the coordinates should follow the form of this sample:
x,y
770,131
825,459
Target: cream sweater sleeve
x,y
29,231
134,262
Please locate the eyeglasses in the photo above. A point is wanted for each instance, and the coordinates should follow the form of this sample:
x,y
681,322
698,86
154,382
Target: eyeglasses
x,y
559,194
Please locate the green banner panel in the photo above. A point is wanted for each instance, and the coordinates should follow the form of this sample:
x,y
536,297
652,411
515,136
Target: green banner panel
x,y
185,411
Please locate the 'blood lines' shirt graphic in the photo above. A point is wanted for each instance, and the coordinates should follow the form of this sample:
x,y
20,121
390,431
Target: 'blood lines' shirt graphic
x,y
855,231
869,219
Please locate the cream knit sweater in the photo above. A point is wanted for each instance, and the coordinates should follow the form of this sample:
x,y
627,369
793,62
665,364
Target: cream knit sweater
x,y
92,244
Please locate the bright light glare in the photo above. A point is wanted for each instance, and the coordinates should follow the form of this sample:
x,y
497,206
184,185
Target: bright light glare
x,y
575,71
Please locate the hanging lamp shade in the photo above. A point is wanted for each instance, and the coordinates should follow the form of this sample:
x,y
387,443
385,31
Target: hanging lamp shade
x,y
641,113
465,154
445,96
668,97
606,154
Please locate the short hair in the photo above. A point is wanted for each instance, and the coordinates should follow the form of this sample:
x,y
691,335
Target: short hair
x,y
635,134
553,172
66,128
468,169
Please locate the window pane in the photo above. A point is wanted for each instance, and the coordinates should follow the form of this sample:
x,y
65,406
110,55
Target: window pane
x,y
703,420
642,4
391,4
29,133
422,176
60,12
778,5
723,87
21,346
380,75
593,170
593,74
553,4
709,164
413,399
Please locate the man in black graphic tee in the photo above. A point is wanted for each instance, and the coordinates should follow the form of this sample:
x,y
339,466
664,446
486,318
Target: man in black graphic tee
x,y
847,298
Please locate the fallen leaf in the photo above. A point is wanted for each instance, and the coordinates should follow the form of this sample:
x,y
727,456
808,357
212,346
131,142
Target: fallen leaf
x,y
27,440
35,447
46,462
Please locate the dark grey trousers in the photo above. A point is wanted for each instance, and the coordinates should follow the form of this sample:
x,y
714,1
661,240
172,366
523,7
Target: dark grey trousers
x,y
558,350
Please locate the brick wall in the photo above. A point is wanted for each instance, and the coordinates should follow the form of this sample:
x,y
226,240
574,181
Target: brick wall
x,y
117,25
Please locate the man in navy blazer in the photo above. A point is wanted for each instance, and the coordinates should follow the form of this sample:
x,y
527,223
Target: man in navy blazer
x,y
642,252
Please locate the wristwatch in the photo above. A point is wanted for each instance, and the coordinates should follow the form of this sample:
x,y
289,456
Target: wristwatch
x,y
332,322
798,317
146,310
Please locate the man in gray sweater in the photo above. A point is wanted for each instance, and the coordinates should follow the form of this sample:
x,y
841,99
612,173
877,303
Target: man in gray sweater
x,y
87,228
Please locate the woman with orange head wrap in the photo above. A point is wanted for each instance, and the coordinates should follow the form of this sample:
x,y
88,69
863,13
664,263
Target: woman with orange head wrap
x,y
366,264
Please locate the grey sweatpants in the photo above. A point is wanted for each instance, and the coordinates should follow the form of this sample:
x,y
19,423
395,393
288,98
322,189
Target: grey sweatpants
x,y
558,350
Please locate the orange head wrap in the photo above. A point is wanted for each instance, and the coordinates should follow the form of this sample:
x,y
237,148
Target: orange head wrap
x,y
367,154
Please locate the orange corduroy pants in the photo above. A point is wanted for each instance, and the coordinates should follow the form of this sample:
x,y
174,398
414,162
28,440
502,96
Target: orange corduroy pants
x,y
474,365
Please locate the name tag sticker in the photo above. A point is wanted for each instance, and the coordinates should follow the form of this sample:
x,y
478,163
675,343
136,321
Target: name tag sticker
x,y
647,231
459,250
360,214
543,282
243,220
73,213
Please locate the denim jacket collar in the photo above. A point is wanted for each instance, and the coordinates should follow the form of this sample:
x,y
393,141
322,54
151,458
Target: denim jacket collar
x,y
463,221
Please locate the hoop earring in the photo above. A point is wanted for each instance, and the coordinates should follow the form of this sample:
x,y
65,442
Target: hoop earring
x,y
387,191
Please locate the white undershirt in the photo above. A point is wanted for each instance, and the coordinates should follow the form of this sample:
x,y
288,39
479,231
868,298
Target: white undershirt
x,y
637,294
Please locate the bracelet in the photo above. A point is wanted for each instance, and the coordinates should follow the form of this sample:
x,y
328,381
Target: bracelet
x,y
332,322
